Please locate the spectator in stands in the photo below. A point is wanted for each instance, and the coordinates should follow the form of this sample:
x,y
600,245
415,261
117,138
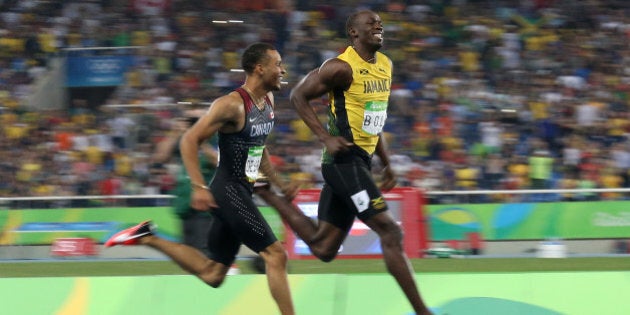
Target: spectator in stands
x,y
494,170
574,75
586,182
540,169
121,126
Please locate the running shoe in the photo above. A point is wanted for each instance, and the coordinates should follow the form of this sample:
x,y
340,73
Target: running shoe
x,y
131,235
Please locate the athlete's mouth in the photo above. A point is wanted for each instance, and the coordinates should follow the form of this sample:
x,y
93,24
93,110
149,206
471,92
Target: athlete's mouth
x,y
378,35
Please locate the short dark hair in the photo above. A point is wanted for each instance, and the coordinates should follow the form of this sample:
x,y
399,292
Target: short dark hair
x,y
254,54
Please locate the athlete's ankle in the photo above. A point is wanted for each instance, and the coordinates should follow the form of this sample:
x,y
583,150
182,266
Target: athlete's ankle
x,y
146,240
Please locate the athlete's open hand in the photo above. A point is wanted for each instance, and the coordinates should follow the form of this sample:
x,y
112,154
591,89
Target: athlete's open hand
x,y
388,180
202,200
337,144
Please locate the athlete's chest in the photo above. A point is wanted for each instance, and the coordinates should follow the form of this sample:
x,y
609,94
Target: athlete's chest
x,y
370,81
258,122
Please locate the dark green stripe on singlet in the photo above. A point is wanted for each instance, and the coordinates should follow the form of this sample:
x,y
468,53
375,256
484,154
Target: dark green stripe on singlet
x,y
342,123
338,123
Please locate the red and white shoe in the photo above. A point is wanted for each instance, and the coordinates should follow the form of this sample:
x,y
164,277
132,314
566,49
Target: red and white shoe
x,y
131,235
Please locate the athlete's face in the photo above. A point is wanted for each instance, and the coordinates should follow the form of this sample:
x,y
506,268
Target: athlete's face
x,y
273,70
368,29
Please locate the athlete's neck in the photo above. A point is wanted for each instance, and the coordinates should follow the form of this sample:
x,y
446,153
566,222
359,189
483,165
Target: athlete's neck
x,y
259,100
369,57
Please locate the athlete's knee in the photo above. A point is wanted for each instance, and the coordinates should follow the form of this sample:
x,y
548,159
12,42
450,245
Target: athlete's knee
x,y
212,276
277,259
275,256
391,234
214,281
325,254
326,243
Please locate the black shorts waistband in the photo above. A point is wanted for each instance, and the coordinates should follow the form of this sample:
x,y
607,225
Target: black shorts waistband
x,y
353,155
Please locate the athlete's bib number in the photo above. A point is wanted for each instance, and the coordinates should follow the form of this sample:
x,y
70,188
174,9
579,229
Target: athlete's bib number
x,y
374,117
254,156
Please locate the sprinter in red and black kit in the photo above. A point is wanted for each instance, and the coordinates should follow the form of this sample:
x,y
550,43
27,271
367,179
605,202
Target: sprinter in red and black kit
x,y
238,218
242,119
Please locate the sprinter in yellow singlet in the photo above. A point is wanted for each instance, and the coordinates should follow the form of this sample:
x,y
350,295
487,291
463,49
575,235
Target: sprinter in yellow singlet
x,y
358,84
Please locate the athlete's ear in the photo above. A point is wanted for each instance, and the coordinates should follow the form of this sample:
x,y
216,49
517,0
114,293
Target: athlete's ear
x,y
258,68
352,33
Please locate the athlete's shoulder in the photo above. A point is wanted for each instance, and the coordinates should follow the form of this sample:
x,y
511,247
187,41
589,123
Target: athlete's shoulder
x,y
334,62
231,99
379,53
335,70
381,57
227,105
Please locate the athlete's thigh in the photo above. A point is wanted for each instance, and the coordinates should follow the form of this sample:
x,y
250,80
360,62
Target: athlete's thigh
x,y
334,210
195,229
353,186
222,243
240,212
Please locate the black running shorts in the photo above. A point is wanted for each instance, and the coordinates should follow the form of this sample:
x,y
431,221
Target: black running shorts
x,y
237,221
195,230
349,191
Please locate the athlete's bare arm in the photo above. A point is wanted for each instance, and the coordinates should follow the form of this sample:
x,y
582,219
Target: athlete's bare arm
x,y
333,74
227,114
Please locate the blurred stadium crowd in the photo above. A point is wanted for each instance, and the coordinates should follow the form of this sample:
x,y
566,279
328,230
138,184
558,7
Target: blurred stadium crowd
x,y
487,94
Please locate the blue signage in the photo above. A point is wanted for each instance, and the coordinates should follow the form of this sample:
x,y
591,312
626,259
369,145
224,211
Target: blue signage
x,y
97,70
67,226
